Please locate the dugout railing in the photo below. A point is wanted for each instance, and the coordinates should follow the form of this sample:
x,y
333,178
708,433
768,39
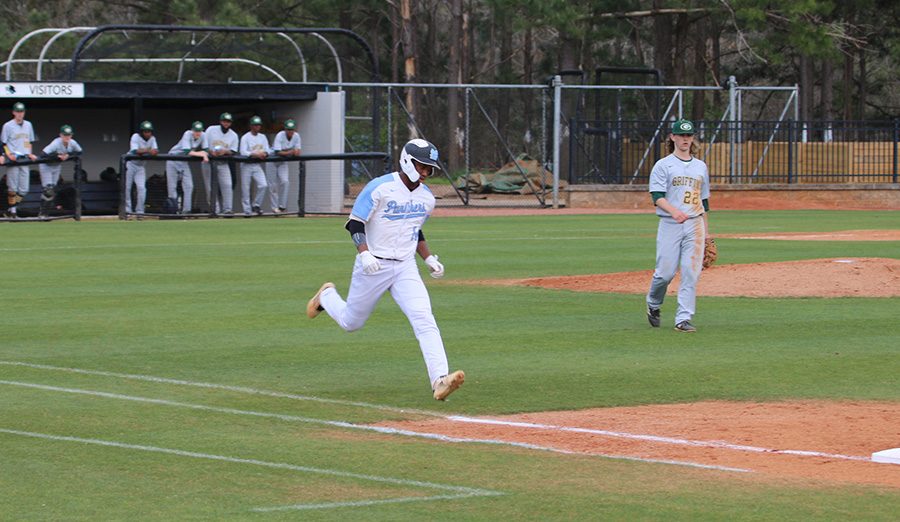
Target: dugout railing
x,y
65,202
153,206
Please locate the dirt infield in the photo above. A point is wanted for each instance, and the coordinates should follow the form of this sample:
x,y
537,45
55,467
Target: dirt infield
x,y
830,441
839,277
843,235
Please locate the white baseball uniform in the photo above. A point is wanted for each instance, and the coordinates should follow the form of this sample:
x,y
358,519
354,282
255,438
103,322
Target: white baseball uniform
x,y
181,170
393,217
251,144
50,171
686,185
135,173
277,173
18,139
218,140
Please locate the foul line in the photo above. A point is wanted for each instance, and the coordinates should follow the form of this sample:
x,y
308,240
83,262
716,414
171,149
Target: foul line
x,y
237,389
654,438
361,427
462,492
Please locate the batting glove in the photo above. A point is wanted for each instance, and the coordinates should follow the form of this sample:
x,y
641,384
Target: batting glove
x,y
369,262
434,266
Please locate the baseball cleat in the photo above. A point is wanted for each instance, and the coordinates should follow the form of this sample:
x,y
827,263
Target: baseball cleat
x,y
653,316
314,306
448,384
685,326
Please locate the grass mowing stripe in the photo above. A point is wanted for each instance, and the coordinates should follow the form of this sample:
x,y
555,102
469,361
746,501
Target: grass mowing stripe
x,y
349,425
237,460
298,242
237,389
655,438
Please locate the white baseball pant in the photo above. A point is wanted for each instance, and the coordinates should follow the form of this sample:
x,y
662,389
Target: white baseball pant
x,y
402,280
255,173
224,200
678,245
180,171
279,184
50,173
17,180
137,175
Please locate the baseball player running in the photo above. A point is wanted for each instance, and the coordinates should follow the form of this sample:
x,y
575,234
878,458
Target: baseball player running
x,y
679,186
143,143
386,226
254,144
192,143
61,147
223,142
286,144
17,136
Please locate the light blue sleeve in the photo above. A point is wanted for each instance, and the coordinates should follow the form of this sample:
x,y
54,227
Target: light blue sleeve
x,y
76,147
204,142
4,134
367,200
153,144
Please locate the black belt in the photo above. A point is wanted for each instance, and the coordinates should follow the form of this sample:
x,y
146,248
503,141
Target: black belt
x,y
386,259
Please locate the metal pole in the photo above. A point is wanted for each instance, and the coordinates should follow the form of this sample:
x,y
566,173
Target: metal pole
x,y
301,189
896,139
557,135
122,191
732,105
790,173
78,188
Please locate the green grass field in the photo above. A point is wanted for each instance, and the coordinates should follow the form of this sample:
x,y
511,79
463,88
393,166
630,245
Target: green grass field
x,y
110,329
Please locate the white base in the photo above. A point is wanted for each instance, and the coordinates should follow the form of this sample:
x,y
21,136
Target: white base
x,y
888,456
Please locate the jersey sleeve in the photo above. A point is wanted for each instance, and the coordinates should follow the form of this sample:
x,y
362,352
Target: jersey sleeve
x,y
233,142
204,142
366,202
153,144
135,143
76,147
658,178
245,146
51,147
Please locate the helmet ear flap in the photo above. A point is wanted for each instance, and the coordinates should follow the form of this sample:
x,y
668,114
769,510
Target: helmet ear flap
x,y
406,165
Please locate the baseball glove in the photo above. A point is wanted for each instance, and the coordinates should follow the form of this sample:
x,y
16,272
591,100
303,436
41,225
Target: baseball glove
x,y
710,252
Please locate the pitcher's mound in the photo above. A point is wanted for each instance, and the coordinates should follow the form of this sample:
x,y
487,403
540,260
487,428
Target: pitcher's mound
x,y
838,277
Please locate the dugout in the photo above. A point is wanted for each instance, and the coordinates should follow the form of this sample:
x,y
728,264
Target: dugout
x,y
105,80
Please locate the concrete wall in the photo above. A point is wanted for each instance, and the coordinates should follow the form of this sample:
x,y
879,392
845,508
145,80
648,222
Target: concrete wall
x,y
883,196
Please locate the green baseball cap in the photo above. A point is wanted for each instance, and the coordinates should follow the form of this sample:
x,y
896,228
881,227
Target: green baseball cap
x,y
18,107
256,120
67,130
290,125
225,116
197,126
682,126
146,126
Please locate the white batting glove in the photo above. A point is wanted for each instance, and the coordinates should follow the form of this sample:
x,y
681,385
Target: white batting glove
x,y
370,264
435,268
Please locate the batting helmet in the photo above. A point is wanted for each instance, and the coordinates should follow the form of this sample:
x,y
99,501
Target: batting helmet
x,y
421,151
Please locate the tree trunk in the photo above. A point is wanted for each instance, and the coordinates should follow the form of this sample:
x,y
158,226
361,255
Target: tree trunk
x,y
698,104
847,87
528,97
662,43
863,87
454,66
827,90
409,61
806,88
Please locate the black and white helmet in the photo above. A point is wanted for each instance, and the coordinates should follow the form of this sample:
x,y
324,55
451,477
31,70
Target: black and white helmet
x,y
419,150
